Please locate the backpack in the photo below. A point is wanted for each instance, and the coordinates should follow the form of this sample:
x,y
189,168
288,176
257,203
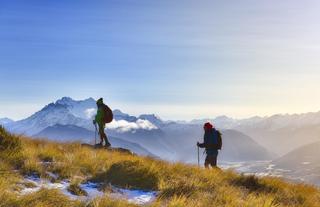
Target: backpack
x,y
107,114
213,141
219,145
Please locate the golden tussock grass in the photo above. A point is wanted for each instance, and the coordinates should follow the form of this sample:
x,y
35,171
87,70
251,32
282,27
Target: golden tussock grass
x,y
178,184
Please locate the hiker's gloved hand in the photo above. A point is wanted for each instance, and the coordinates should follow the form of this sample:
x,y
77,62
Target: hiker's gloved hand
x,y
201,145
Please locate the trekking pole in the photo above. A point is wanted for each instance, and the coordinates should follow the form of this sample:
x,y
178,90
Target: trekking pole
x,y
198,157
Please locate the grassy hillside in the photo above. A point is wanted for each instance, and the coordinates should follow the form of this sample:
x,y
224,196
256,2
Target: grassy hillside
x,y
177,184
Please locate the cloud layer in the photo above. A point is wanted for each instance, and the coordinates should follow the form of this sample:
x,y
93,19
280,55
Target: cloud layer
x,y
125,126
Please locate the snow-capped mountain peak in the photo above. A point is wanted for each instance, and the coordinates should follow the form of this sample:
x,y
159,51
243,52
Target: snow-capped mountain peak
x,y
154,119
84,109
65,101
67,111
119,115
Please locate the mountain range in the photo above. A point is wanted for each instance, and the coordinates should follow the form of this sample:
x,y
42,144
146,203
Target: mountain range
x,y
256,138
70,120
278,133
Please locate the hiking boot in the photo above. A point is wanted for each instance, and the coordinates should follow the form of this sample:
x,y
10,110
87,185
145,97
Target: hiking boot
x,y
107,145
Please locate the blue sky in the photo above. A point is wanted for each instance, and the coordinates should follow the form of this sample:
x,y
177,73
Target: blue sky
x,y
180,59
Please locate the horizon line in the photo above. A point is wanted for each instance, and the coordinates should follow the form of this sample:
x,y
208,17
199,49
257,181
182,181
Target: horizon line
x,y
176,120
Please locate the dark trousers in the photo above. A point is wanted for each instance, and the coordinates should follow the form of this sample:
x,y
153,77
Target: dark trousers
x,y
103,135
211,160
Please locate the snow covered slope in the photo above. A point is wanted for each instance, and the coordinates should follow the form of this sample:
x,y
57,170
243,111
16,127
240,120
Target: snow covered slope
x,y
67,111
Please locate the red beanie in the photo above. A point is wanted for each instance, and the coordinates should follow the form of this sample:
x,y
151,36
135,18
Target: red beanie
x,y
207,126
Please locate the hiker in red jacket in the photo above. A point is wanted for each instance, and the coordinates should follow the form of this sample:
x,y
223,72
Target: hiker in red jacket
x,y
212,142
104,115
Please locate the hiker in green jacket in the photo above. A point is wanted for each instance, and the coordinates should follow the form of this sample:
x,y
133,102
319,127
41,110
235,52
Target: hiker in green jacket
x,y
104,115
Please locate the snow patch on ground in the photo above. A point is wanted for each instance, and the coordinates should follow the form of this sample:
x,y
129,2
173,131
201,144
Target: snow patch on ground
x,y
92,190
41,183
138,197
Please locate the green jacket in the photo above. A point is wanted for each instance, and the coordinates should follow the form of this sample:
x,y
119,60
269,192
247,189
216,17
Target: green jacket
x,y
99,116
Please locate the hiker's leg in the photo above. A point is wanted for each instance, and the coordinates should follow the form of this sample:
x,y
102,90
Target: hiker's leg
x,y
214,161
207,162
101,133
106,140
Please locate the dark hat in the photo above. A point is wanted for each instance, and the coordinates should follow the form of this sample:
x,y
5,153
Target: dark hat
x,y
100,101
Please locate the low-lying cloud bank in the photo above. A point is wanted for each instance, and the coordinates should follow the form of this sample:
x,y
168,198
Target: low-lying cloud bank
x,y
125,126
